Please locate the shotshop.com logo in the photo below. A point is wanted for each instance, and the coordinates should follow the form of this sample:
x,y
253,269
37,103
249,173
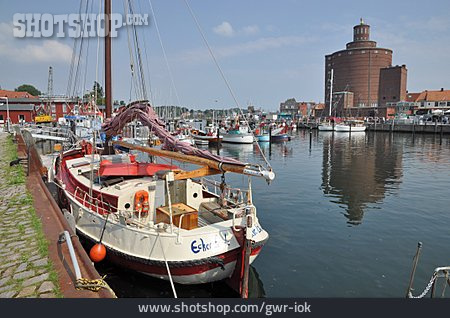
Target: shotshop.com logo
x,y
37,25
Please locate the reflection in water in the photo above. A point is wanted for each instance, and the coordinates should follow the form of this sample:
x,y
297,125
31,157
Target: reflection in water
x,y
359,169
282,149
238,151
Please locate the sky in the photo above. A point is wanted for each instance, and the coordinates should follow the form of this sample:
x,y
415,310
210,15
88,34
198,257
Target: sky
x,y
269,51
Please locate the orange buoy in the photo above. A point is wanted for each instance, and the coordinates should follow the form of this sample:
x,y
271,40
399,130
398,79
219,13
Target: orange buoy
x,y
97,252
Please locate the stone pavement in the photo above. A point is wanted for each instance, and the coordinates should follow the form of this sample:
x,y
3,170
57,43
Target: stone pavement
x,y
25,269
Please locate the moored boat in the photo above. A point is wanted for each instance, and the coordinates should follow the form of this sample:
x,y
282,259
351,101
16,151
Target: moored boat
x,y
326,127
351,126
238,135
155,218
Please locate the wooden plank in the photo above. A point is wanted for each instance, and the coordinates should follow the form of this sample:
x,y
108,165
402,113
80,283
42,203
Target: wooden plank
x,y
202,172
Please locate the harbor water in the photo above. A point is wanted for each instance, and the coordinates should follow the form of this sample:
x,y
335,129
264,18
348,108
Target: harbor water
x,y
345,214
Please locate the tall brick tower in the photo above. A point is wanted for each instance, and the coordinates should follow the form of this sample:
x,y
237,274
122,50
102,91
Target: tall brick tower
x,y
356,71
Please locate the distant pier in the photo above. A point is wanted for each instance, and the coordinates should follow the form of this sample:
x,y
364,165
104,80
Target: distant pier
x,y
429,128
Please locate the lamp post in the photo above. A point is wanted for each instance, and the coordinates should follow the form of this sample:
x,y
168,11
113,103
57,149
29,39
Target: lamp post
x,y
7,113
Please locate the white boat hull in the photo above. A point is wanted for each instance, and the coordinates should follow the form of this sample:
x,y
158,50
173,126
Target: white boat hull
x,y
347,128
326,127
238,139
147,250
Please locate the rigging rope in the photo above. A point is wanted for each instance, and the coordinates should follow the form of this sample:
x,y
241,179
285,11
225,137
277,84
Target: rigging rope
x,y
224,78
150,97
74,54
164,52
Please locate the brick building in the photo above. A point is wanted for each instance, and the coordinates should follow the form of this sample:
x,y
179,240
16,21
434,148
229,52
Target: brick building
x,y
362,73
392,86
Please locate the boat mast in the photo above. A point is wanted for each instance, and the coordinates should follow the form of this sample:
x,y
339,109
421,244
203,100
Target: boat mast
x,y
331,93
108,89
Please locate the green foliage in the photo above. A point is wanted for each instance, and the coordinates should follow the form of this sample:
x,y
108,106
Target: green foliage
x,y
30,89
100,94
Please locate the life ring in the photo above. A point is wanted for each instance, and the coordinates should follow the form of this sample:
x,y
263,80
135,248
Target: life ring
x,y
141,204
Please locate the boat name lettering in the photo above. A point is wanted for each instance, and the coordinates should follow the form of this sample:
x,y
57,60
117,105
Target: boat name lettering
x,y
256,230
199,247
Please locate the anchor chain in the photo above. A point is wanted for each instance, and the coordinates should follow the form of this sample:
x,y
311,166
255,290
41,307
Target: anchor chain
x,y
426,290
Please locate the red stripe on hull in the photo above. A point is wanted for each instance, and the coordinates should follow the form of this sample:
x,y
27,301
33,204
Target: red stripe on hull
x,y
227,257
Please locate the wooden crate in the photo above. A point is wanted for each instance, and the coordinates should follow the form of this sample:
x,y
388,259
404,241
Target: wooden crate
x,y
190,218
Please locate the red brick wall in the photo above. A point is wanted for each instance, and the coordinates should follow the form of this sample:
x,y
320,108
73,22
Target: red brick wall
x,y
392,86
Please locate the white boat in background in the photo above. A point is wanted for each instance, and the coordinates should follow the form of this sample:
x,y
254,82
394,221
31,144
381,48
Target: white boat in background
x,y
210,136
326,127
351,126
239,135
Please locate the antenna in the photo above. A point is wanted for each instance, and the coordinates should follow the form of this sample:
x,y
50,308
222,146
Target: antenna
x,y
50,82
49,90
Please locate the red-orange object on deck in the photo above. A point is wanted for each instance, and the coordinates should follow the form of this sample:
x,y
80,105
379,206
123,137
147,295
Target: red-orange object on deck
x,y
141,204
107,168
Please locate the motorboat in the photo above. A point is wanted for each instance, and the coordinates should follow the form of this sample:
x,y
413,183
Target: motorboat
x,y
238,135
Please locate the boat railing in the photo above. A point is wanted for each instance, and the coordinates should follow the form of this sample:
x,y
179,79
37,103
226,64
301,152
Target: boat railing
x,y
233,195
102,207
439,272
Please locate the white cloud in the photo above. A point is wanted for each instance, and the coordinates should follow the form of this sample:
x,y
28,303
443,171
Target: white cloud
x,y
250,29
45,51
224,29
249,47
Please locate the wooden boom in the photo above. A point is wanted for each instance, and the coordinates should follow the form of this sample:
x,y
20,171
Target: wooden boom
x,y
215,165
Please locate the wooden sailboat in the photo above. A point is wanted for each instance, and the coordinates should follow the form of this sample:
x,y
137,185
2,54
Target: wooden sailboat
x,y
148,215
156,218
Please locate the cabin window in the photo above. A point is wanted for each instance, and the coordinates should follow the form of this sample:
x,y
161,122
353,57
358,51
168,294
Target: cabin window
x,y
1,119
21,118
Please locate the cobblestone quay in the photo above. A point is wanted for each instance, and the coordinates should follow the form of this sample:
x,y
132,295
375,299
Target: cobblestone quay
x,y
25,268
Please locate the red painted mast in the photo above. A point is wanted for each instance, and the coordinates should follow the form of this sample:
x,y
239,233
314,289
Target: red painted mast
x,y
108,86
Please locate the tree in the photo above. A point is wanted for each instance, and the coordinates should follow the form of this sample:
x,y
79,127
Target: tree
x,y
30,89
100,95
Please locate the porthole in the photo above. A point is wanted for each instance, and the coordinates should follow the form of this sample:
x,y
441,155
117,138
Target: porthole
x,y
127,205
195,195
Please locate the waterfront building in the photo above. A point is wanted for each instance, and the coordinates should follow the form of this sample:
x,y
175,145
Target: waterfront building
x,y
425,102
23,107
364,79
296,109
